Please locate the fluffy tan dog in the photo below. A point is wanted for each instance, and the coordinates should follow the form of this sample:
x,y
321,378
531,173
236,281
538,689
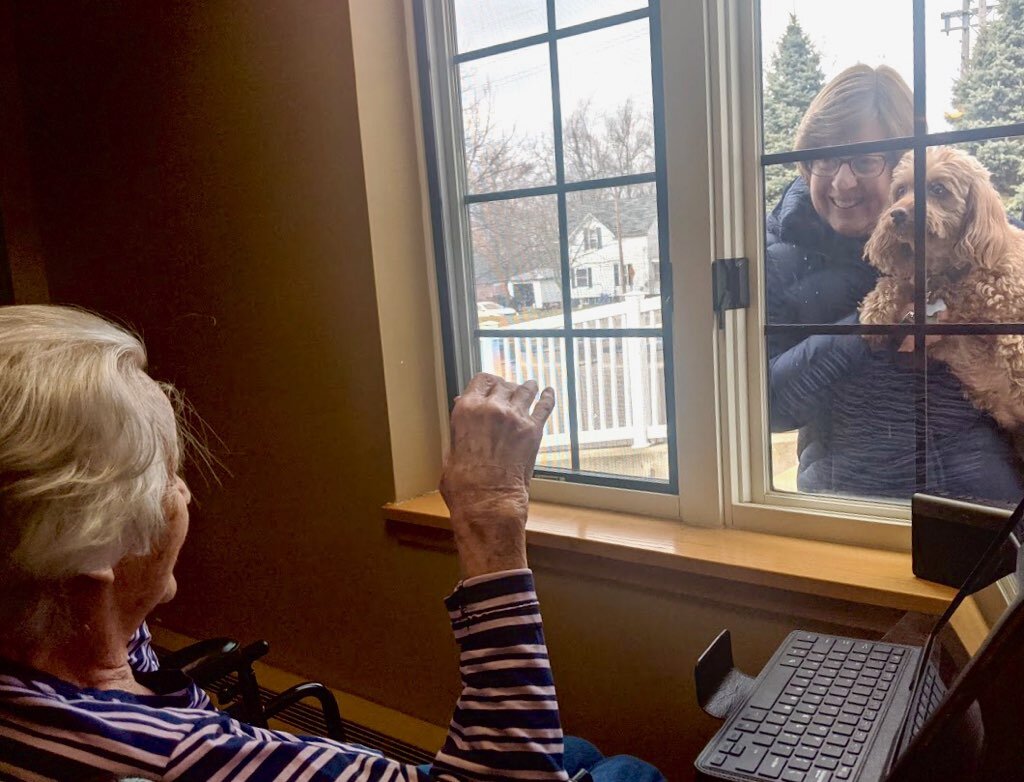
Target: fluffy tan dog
x,y
974,266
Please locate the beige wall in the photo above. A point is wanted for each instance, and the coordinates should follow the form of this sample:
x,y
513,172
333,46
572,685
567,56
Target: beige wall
x,y
198,171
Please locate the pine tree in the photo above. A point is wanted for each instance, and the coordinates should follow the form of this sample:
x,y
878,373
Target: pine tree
x,y
792,81
991,92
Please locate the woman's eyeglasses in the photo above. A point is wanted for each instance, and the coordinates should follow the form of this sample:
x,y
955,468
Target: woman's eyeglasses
x,y
862,166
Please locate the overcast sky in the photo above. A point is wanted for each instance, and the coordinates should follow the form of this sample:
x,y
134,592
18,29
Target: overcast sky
x,y
609,65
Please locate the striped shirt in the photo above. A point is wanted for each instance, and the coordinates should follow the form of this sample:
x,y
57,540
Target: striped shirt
x,y
505,726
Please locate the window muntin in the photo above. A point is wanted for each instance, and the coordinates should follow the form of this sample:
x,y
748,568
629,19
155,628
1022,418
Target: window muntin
x,y
923,389
554,190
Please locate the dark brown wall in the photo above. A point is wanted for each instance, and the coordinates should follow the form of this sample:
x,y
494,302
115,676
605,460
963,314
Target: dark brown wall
x,y
198,173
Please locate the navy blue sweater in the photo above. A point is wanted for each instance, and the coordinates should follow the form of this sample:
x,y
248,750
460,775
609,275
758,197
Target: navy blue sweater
x,y
855,407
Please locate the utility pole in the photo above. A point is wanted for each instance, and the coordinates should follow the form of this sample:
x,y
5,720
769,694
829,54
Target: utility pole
x,y
961,20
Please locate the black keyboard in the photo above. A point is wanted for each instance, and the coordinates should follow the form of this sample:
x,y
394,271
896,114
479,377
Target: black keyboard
x,y
813,715
933,690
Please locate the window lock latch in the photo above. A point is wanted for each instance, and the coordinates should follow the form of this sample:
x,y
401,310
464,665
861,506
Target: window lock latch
x,y
730,286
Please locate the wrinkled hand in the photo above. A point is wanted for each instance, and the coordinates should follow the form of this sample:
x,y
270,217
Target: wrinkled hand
x,y
494,442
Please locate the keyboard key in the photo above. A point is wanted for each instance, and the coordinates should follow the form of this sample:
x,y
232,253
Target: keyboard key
x,y
829,751
717,759
859,736
789,738
792,775
734,735
818,690
826,762
814,700
750,760
831,711
763,740
754,714
790,662
770,730
817,730
726,747
810,753
849,760
773,683
844,730
800,764
864,647
746,726
848,719
843,772
771,767
854,748
804,636
792,700
795,727
812,741
838,740
823,645
823,719
819,775
775,719
782,749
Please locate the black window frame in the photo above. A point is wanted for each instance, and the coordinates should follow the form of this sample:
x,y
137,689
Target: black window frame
x,y
455,334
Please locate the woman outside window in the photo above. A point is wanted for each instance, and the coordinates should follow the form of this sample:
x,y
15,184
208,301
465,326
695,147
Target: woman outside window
x,y
854,408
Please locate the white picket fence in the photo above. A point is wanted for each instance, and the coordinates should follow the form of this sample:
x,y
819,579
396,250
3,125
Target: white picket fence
x,y
620,381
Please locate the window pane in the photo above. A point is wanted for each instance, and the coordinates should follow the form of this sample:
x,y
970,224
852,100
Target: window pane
x,y
516,263
855,407
482,23
805,43
506,117
614,257
570,12
620,392
607,111
975,76
543,359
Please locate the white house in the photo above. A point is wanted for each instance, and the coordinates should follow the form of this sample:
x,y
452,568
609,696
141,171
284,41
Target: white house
x,y
613,248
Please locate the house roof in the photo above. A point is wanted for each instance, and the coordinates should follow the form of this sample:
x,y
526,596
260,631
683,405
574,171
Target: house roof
x,y
636,214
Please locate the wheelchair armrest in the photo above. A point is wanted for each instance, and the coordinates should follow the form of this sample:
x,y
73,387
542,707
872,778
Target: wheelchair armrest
x,y
189,657
317,691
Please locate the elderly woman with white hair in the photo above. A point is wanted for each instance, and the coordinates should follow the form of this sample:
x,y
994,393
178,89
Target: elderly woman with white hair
x,y
93,513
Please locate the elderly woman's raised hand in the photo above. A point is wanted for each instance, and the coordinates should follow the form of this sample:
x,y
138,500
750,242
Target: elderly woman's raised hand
x,y
494,440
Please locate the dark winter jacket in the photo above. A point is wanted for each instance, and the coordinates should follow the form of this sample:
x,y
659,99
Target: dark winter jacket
x,y
854,407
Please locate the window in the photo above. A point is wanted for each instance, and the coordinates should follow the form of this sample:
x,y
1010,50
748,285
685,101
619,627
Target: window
x,y
723,142
551,115
581,277
881,423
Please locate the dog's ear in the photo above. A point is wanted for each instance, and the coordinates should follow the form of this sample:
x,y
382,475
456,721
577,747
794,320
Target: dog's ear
x,y
985,226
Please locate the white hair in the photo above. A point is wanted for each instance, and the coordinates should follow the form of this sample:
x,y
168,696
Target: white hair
x,y
89,446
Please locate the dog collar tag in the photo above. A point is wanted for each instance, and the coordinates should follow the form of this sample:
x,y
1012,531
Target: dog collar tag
x,y
932,309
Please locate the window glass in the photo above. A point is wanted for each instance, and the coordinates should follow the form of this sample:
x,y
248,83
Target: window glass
x,y
884,415
520,358
570,12
548,219
607,108
620,390
613,233
483,23
516,263
506,121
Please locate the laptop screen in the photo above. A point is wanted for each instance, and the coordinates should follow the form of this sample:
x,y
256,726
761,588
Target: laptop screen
x,y
986,595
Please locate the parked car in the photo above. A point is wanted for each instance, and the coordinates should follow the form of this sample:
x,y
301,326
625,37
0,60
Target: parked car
x,y
490,314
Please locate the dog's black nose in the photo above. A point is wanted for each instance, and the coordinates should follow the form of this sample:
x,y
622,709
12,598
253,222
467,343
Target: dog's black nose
x,y
899,216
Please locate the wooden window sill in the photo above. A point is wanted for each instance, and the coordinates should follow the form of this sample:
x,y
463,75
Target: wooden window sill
x,y
851,573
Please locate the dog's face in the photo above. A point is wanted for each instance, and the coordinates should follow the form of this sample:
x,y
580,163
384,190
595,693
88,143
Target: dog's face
x,y
963,209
